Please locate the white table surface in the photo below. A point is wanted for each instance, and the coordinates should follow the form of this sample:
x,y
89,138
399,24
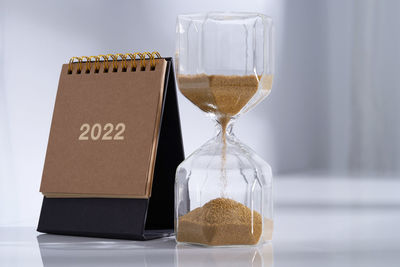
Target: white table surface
x,y
336,221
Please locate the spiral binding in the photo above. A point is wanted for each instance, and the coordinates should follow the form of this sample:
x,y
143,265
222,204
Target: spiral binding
x,y
87,62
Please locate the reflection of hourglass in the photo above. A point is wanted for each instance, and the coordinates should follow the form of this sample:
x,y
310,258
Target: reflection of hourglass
x,y
188,256
223,191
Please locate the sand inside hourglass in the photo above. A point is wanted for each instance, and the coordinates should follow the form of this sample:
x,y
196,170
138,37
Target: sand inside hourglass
x,y
223,222
224,96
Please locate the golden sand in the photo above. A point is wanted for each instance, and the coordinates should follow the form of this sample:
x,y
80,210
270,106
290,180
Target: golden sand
x,y
222,222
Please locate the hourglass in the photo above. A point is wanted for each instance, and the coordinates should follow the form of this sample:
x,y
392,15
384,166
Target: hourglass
x,y
223,191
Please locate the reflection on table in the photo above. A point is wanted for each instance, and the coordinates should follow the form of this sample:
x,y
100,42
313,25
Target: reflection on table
x,y
80,251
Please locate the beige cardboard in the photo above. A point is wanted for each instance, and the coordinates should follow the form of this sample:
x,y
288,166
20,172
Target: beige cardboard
x,y
97,167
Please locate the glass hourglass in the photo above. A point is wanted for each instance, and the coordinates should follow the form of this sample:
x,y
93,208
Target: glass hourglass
x,y
223,191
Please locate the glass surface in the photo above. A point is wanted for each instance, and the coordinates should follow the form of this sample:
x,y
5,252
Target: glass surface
x,y
223,191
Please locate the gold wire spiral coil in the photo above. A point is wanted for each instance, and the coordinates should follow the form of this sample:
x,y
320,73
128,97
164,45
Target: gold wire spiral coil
x,y
133,61
123,57
87,63
96,63
114,61
142,64
106,65
104,59
152,61
71,61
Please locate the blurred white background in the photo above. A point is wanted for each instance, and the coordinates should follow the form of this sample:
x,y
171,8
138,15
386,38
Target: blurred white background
x,y
333,108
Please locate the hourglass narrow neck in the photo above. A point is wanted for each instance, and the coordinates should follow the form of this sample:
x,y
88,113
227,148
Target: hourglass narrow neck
x,y
224,126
